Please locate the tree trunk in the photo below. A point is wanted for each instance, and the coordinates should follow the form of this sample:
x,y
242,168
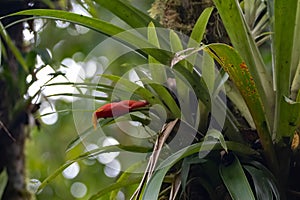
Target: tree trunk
x,y
14,110
12,124
13,160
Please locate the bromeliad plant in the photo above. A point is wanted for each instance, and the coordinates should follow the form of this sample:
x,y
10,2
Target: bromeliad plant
x,y
266,95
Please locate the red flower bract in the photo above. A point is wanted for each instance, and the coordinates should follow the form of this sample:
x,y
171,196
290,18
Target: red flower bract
x,y
116,109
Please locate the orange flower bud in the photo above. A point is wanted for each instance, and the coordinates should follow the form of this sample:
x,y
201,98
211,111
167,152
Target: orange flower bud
x,y
116,109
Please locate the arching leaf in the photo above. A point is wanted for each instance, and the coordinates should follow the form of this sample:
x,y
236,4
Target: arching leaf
x,y
236,181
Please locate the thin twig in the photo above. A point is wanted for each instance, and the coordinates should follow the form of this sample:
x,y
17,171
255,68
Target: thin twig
x,y
2,126
164,134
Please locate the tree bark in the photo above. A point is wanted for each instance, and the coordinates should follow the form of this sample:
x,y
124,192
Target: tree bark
x,y
14,109
12,126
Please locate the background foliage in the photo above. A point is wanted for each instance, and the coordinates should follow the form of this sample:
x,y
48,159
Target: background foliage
x,y
253,155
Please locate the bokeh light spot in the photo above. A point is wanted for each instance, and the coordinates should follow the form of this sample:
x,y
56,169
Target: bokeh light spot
x,y
51,118
33,185
71,171
112,169
78,190
108,157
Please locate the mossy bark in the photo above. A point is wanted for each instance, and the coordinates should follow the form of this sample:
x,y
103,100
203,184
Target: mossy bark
x,y
181,15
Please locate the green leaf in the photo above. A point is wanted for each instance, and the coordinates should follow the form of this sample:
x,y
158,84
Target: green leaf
x,y
185,169
256,16
79,95
262,183
106,88
157,71
290,114
167,99
283,47
239,73
133,88
128,13
175,42
236,181
235,96
197,83
16,52
207,184
127,117
243,41
79,138
198,86
3,181
231,124
263,176
295,87
31,60
296,45
104,27
208,71
127,175
181,87
90,154
200,27
114,186
197,34
217,135
154,184
152,35
283,43
1,51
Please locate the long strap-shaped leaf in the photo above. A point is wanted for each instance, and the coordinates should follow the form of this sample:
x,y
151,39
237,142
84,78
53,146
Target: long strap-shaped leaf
x,y
236,181
104,27
197,33
154,184
134,88
244,43
283,48
158,73
92,153
289,119
13,48
239,73
3,181
131,15
296,44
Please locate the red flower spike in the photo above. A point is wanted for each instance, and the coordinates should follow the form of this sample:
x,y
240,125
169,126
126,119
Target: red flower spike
x,y
116,109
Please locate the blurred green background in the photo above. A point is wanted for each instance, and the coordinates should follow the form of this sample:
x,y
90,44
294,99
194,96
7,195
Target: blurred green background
x,y
46,147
